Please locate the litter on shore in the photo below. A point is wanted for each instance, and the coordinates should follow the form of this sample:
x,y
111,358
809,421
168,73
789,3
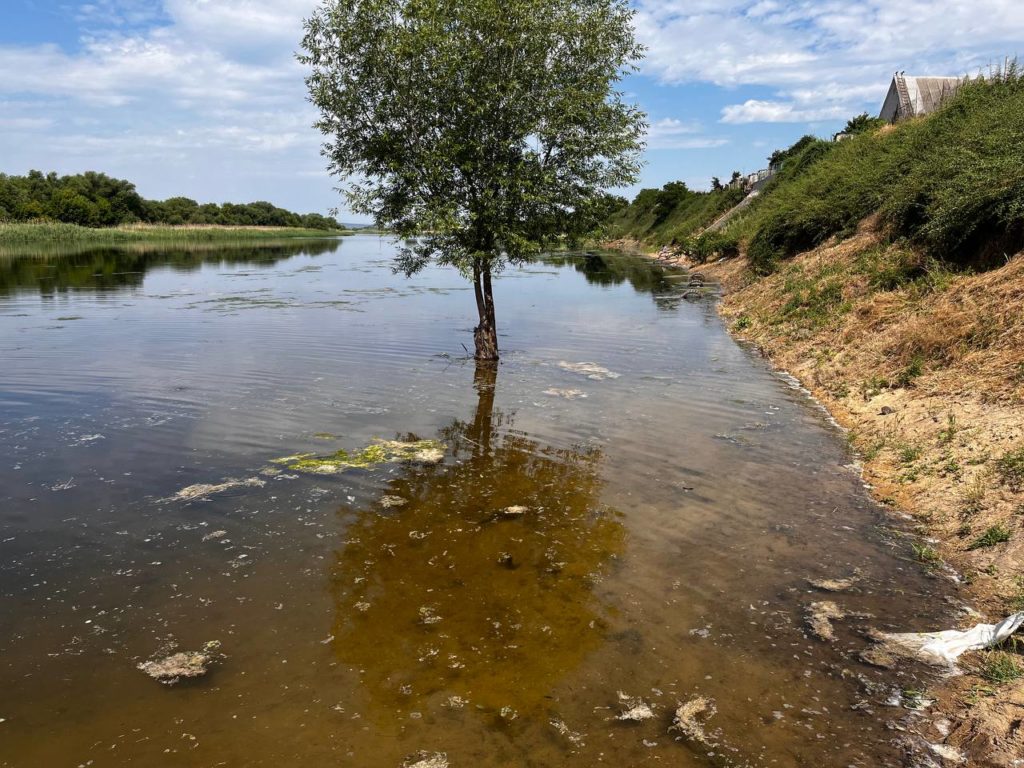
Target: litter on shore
x,y
947,646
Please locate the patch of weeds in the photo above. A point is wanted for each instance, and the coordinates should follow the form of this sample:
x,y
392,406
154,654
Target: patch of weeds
x,y
977,691
908,453
1010,468
977,461
1017,599
873,386
1000,667
913,698
974,495
925,554
872,449
888,270
841,390
913,371
947,433
952,468
964,530
814,304
997,534
743,322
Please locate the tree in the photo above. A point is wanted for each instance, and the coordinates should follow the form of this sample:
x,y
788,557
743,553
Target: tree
x,y
483,129
862,123
716,184
669,196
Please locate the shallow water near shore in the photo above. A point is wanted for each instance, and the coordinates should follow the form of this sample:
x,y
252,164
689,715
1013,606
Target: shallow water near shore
x,y
629,503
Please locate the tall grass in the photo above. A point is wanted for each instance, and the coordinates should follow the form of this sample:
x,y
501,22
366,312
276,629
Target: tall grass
x,y
43,233
950,184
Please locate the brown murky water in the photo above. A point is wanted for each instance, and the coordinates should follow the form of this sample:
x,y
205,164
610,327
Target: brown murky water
x,y
646,524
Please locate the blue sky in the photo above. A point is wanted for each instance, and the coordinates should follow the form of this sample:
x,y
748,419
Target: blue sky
x,y
204,98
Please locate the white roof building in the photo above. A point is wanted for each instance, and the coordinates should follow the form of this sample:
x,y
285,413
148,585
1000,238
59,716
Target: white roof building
x,y
914,96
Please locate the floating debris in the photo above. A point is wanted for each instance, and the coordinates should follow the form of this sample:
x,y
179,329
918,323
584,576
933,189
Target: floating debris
x,y
564,730
820,616
687,719
508,713
427,760
635,709
834,585
392,501
171,669
568,394
380,452
456,702
428,615
515,510
215,535
590,370
202,490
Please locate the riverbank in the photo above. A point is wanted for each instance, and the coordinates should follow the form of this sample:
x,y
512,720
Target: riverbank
x,y
924,368
55,233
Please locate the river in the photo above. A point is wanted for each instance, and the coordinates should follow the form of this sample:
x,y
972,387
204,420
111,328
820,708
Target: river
x,y
631,503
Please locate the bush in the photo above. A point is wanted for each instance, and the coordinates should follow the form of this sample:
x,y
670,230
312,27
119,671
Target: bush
x,y
964,206
711,245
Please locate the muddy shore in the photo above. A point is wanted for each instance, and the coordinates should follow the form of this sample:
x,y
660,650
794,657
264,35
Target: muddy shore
x,y
938,444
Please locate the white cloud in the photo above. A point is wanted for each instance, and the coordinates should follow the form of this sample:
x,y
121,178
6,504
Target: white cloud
x,y
673,133
755,111
798,46
195,86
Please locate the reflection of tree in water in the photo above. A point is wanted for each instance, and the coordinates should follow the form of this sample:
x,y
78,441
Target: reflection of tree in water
x,y
617,268
105,269
448,595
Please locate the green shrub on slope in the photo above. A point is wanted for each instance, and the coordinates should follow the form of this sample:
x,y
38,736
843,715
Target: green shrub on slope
x,y
951,183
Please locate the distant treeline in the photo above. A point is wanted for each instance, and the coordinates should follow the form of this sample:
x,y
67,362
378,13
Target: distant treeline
x,y
96,200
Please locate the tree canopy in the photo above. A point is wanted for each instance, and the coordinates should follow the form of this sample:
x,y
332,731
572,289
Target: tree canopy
x,y
94,199
482,128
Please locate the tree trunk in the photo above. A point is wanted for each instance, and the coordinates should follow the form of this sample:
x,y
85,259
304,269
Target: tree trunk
x,y
485,335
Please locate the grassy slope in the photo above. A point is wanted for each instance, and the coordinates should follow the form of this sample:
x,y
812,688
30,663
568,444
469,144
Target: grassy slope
x,y
643,221
951,186
57,233
886,273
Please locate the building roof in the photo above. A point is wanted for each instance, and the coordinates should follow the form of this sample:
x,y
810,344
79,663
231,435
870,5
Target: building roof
x,y
910,96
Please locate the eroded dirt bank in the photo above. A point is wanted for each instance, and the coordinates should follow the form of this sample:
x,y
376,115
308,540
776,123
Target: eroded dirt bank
x,y
925,369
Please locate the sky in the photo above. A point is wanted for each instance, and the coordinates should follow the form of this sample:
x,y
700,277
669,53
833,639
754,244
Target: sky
x,y
204,98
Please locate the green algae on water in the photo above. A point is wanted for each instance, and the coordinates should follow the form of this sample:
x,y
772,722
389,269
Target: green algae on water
x,y
380,452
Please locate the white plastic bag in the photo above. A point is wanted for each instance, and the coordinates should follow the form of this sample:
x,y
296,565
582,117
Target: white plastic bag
x,y
946,646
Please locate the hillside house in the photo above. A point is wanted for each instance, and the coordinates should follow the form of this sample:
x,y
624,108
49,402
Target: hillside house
x,y
915,96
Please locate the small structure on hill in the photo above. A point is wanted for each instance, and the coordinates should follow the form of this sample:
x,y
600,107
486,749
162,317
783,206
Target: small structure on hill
x,y
915,96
